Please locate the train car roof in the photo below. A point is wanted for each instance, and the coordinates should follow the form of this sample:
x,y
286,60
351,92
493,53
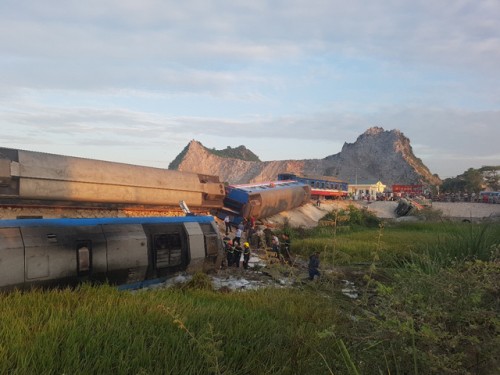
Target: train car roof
x,y
250,188
311,177
103,221
324,178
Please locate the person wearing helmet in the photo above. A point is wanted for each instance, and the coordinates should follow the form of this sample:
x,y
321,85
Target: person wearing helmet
x,y
246,254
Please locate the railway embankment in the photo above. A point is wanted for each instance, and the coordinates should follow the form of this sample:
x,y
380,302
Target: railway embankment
x,y
309,215
448,210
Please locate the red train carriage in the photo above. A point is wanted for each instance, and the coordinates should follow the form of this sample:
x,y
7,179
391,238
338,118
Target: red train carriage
x,y
325,186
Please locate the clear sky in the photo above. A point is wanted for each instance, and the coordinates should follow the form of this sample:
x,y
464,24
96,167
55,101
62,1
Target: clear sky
x,y
135,81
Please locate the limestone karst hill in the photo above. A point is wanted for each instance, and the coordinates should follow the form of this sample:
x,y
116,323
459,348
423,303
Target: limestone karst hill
x,y
376,155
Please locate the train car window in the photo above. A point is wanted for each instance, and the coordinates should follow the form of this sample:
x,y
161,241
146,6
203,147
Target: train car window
x,y
83,258
167,250
51,237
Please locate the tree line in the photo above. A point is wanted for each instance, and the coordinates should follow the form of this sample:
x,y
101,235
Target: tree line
x,y
473,181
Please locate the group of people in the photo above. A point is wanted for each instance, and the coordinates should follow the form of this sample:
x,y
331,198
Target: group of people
x,y
281,248
234,251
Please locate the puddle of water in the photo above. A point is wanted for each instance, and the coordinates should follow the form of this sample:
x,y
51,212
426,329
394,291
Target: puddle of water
x,y
350,289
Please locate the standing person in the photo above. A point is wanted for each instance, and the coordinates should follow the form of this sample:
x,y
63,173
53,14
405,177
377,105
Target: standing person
x,y
229,253
237,237
276,245
237,255
246,254
242,225
224,263
314,265
249,227
227,222
252,221
286,245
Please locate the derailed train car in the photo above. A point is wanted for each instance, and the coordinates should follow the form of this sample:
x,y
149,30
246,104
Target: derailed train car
x,y
262,200
323,186
125,251
28,175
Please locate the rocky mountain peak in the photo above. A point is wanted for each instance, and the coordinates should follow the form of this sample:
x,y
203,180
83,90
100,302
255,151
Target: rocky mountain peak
x,y
240,152
195,147
376,155
374,130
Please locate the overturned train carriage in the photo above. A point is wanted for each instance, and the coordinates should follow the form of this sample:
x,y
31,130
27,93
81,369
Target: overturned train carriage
x,y
264,199
44,252
31,175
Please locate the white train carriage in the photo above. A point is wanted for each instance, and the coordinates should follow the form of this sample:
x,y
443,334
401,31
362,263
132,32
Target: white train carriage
x,y
120,250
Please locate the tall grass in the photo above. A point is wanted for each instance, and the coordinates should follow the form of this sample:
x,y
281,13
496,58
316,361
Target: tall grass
x,y
185,331
437,310
442,322
400,242
455,244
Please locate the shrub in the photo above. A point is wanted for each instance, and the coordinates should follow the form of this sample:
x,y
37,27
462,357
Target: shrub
x,y
353,216
439,323
428,214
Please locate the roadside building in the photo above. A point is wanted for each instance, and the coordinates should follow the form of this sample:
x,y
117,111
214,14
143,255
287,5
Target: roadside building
x,y
368,190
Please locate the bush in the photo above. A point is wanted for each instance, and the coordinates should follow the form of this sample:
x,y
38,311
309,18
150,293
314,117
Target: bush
x,y
353,216
428,214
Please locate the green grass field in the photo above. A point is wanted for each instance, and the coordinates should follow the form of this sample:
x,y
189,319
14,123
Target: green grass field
x,y
434,311
393,241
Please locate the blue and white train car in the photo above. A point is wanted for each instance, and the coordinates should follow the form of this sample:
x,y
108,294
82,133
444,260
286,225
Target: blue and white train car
x,y
325,187
262,200
40,252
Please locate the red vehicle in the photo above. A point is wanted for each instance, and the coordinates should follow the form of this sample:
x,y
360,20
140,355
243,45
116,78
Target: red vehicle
x,y
408,189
